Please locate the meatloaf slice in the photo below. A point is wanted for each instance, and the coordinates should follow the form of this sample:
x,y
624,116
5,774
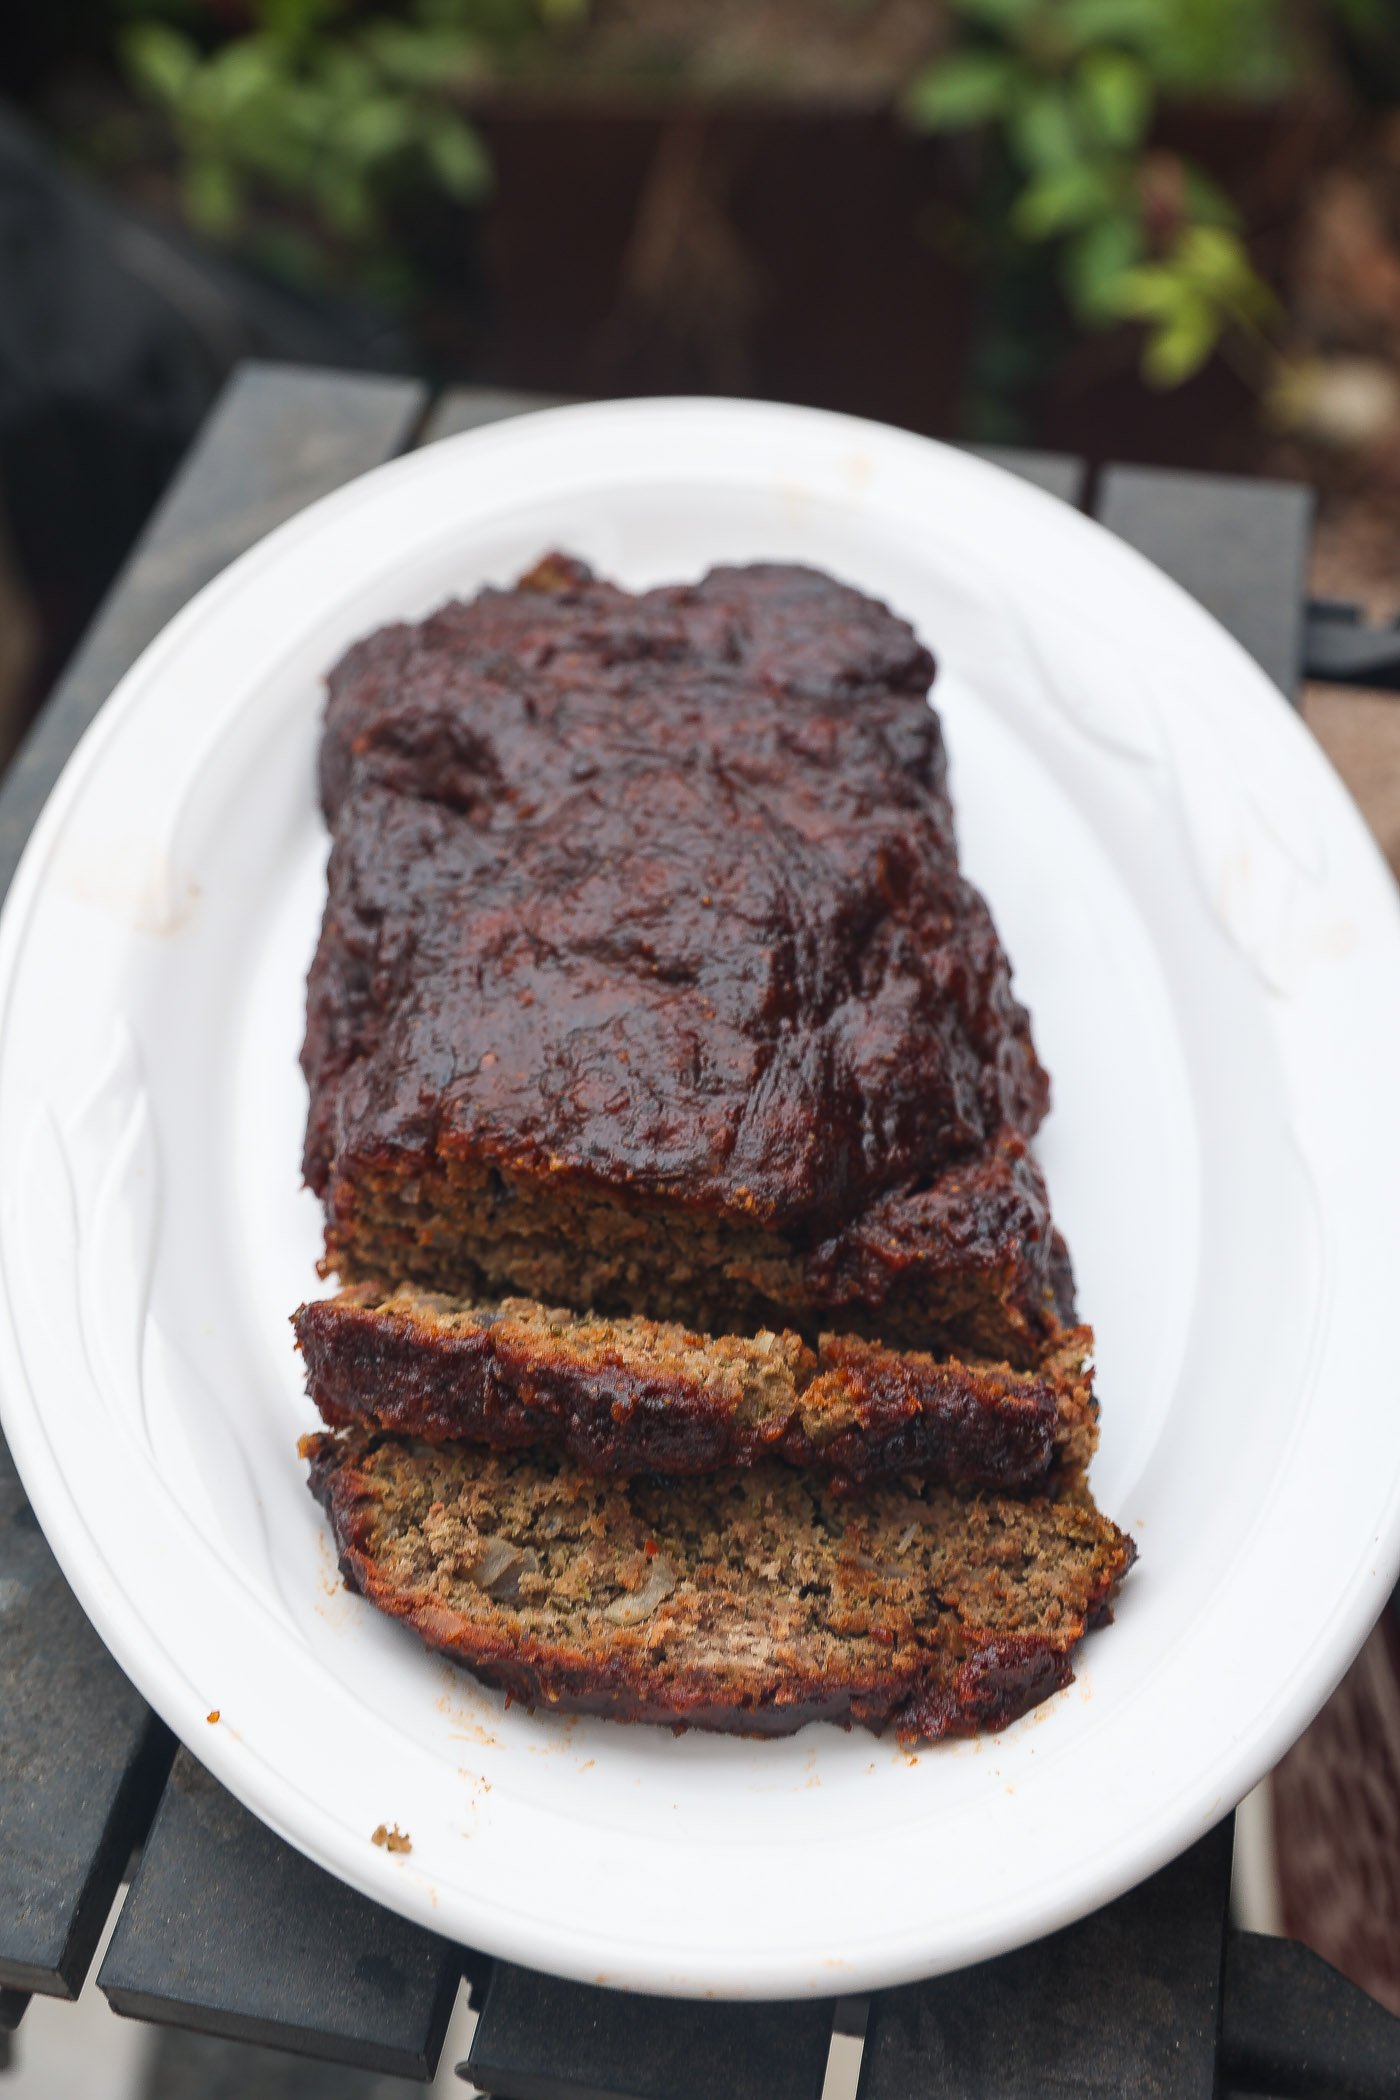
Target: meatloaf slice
x,y
644,1396
751,1602
649,980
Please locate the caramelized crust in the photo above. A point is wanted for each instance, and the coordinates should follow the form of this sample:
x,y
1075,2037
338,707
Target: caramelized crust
x,y
751,1603
630,1396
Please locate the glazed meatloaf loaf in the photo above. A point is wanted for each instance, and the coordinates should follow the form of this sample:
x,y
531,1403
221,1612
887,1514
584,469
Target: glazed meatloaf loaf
x,y
648,980
751,1602
631,1395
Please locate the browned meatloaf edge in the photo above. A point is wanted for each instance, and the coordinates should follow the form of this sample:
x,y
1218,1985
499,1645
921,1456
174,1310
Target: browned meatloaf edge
x,y
635,1396
749,1604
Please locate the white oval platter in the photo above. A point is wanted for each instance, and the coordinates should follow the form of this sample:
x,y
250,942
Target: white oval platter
x,y
1209,945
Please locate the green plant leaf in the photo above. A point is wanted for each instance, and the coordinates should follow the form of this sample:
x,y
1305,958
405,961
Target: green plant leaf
x,y
1211,254
159,61
294,23
212,197
282,136
957,92
1115,93
1245,48
1043,134
1136,24
1153,292
344,73
1217,260
422,57
1096,262
1058,202
1179,348
458,159
239,74
374,129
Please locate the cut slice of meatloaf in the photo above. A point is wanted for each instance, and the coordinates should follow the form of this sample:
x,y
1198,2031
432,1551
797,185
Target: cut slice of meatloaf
x,y
751,1602
649,980
644,1396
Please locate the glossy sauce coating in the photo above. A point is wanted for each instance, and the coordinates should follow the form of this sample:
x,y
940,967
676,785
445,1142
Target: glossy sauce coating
x,y
658,897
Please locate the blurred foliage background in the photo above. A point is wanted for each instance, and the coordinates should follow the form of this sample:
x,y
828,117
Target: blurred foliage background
x,y
298,129
1155,229
349,144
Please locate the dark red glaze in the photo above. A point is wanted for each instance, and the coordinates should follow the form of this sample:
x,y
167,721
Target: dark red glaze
x,y
659,896
967,1424
1002,1679
978,1425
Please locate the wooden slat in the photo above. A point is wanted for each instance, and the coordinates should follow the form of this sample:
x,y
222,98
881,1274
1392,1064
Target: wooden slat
x,y
1293,2026
1340,647
470,407
1125,2002
1238,546
81,1763
81,1760
1051,471
279,437
541,2039
227,1930
187,2066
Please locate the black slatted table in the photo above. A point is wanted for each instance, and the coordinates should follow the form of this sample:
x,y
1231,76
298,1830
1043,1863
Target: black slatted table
x,y
230,1933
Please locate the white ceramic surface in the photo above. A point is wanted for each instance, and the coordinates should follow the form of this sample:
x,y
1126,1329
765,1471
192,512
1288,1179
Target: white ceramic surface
x,y
1208,943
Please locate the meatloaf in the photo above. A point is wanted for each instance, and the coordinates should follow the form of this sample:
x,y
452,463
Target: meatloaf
x,y
631,1395
750,1602
648,979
